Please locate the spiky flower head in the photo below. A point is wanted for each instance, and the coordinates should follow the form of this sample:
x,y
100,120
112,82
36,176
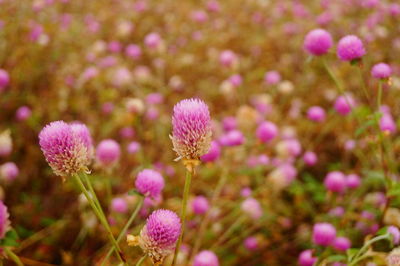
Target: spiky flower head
x,y
67,148
4,220
158,237
191,134
149,182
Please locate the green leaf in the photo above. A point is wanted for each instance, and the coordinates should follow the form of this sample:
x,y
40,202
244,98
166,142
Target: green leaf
x,y
10,239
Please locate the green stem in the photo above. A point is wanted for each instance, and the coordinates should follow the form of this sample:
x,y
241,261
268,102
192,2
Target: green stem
x,y
364,87
13,256
141,260
360,254
186,191
127,225
228,231
99,215
379,95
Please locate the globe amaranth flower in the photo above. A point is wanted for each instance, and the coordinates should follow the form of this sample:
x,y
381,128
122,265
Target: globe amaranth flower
x,y
206,258
381,71
266,131
149,182
323,234
318,42
4,220
9,171
191,134
108,152
67,148
213,154
200,205
306,258
158,237
350,48
342,243
252,208
335,181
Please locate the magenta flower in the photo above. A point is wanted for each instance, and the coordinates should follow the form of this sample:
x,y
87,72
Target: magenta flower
x,y
206,258
353,181
306,258
395,233
323,234
272,77
335,181
316,114
4,220
342,243
4,79
381,71
119,205
252,208
266,131
213,154
150,183
158,237
9,171
191,134
108,152
350,48
67,148
310,158
344,104
23,113
251,243
318,42
200,205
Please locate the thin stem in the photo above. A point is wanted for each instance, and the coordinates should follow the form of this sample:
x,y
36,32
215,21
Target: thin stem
x,y
13,256
333,77
379,95
99,216
359,256
127,225
186,191
141,260
364,87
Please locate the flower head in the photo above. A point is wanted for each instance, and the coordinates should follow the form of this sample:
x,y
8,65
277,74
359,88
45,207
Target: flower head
x,y
350,48
381,71
158,237
318,42
206,258
191,135
67,149
149,182
9,171
5,143
200,205
266,131
4,220
4,79
108,152
323,234
335,181
306,258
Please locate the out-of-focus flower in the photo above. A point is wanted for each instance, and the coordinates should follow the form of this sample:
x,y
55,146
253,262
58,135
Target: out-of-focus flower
x,y
266,131
228,58
306,258
5,143
4,79
191,135
342,243
149,182
387,124
395,233
119,205
67,148
252,207
213,154
158,237
335,181
108,152
344,104
316,114
133,51
310,158
323,234
232,138
9,171
393,259
23,113
133,147
200,205
353,181
206,258
350,48
318,42
272,77
251,243
381,71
